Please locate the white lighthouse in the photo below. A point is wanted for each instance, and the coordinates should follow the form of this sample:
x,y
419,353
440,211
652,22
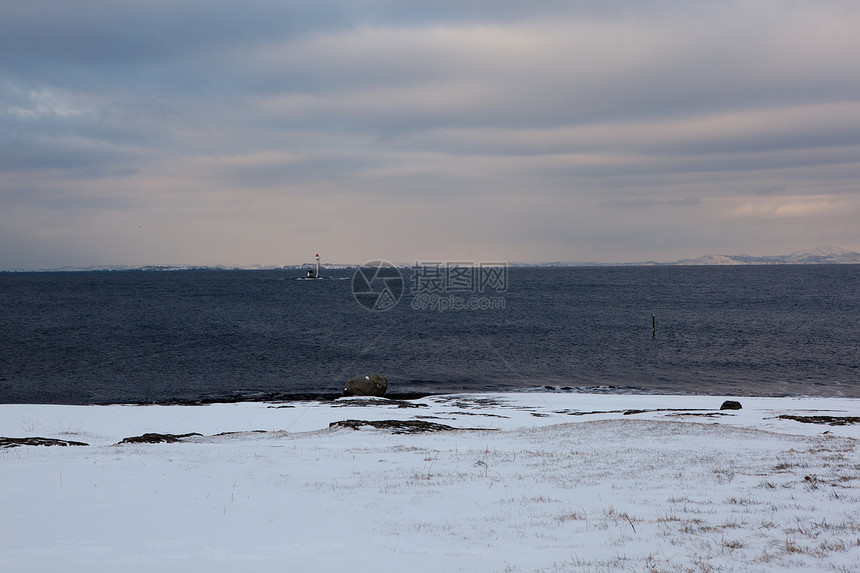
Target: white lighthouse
x,y
315,274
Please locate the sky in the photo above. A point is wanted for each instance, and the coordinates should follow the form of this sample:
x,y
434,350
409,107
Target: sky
x,y
264,132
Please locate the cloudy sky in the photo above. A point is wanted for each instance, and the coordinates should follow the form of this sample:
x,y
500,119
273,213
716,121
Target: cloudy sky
x,y
262,132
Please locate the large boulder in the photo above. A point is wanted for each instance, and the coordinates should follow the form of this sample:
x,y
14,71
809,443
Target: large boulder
x,y
731,405
366,385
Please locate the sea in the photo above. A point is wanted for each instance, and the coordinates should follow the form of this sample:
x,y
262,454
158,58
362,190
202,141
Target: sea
x,y
202,336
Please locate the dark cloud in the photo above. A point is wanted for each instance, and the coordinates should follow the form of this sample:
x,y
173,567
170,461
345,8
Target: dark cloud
x,y
100,34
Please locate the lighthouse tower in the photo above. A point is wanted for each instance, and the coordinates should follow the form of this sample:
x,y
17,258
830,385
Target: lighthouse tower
x,y
318,266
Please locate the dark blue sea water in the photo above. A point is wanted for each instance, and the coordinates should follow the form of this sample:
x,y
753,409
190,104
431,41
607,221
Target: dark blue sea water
x,y
163,337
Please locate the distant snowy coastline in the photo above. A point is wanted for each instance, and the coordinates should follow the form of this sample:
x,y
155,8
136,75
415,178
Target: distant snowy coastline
x,y
818,256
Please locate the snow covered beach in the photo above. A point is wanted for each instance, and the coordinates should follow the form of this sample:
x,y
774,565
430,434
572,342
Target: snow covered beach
x,y
523,482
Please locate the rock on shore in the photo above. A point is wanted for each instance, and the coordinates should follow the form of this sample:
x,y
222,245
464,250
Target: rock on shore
x,y
366,385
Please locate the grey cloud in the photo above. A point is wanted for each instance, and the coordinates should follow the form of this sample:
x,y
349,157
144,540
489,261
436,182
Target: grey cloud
x,y
92,33
640,203
33,154
357,89
772,190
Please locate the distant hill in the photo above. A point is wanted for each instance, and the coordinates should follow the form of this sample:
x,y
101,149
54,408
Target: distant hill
x,y
819,256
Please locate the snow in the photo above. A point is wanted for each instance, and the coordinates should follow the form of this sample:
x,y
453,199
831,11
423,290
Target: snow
x,y
539,482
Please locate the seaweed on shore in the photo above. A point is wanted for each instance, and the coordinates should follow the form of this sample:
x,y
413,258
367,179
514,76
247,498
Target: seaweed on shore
x,y
152,438
400,426
684,412
273,397
365,402
16,442
829,420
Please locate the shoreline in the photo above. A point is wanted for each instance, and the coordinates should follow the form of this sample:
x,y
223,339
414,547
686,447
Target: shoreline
x,y
482,411
256,396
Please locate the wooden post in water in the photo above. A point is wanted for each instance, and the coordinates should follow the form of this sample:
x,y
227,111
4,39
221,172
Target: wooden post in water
x,y
653,326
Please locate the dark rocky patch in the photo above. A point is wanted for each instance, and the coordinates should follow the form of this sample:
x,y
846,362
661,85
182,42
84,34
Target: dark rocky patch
x,y
399,426
829,420
236,433
158,438
365,402
469,403
408,395
632,412
234,397
731,405
703,414
578,413
476,414
629,412
16,442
